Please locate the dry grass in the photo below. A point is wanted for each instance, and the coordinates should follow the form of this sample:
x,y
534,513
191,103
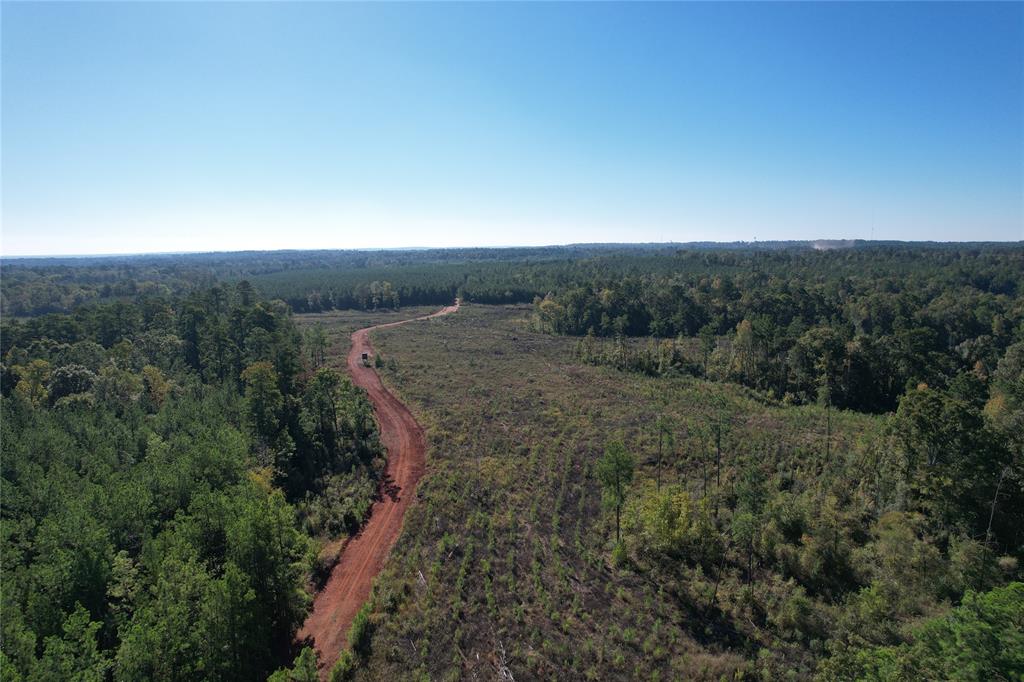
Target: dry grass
x,y
504,563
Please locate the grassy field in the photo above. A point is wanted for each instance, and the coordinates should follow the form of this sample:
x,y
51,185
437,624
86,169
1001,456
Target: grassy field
x,y
505,565
339,325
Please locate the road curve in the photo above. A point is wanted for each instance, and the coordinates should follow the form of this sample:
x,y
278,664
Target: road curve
x,y
348,587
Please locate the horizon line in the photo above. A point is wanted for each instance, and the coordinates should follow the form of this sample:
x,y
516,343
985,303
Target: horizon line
x,y
610,244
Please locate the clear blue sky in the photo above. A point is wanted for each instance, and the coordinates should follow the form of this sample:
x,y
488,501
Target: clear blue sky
x,y
137,127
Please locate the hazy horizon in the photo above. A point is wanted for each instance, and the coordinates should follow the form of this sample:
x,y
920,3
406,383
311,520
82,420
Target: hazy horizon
x,y
172,128
498,247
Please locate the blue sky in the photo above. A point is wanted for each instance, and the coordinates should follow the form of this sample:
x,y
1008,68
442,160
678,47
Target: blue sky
x,y
135,127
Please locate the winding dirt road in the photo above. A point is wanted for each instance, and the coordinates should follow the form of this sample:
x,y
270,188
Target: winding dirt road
x,y
348,587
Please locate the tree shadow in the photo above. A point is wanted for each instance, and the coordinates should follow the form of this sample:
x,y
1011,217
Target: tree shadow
x,y
389,488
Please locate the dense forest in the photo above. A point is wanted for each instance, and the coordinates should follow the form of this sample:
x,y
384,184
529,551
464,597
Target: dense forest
x,y
175,453
167,464
309,281
313,281
858,327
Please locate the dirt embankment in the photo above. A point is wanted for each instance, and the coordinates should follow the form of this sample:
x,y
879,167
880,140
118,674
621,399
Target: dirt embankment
x,y
348,587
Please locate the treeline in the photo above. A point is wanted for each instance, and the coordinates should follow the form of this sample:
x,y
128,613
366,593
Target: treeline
x,y
319,290
32,290
855,327
167,465
654,358
310,281
307,280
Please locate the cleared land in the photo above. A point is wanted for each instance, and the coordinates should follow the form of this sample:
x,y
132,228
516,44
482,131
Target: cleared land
x,y
504,569
339,325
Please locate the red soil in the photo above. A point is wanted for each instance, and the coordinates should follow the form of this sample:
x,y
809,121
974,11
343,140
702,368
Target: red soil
x,y
348,587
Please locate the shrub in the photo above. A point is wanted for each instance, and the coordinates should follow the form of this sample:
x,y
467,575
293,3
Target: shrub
x,y
344,668
360,632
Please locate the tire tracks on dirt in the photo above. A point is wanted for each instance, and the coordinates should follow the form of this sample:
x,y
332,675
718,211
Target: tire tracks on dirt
x,y
348,586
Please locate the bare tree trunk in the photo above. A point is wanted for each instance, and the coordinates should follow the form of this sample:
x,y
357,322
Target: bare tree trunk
x,y
660,434
750,561
718,458
718,467
718,580
618,509
992,509
704,466
828,430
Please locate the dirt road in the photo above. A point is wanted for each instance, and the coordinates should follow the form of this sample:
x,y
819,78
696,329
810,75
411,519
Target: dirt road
x,y
363,557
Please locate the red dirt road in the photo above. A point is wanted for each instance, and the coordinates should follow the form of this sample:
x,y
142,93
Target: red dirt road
x,y
348,587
